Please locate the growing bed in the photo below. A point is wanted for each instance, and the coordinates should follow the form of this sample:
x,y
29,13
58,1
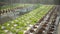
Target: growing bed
x,y
24,22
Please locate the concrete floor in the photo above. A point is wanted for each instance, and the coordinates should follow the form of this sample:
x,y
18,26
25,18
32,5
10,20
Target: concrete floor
x,y
59,29
59,22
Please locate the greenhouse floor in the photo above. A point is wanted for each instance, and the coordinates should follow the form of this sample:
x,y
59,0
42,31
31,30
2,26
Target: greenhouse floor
x,y
58,31
59,28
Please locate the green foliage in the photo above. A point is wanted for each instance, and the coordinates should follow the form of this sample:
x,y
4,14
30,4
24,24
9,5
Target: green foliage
x,y
13,6
20,24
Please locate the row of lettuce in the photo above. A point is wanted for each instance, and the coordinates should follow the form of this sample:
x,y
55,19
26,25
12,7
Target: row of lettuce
x,y
13,6
24,22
